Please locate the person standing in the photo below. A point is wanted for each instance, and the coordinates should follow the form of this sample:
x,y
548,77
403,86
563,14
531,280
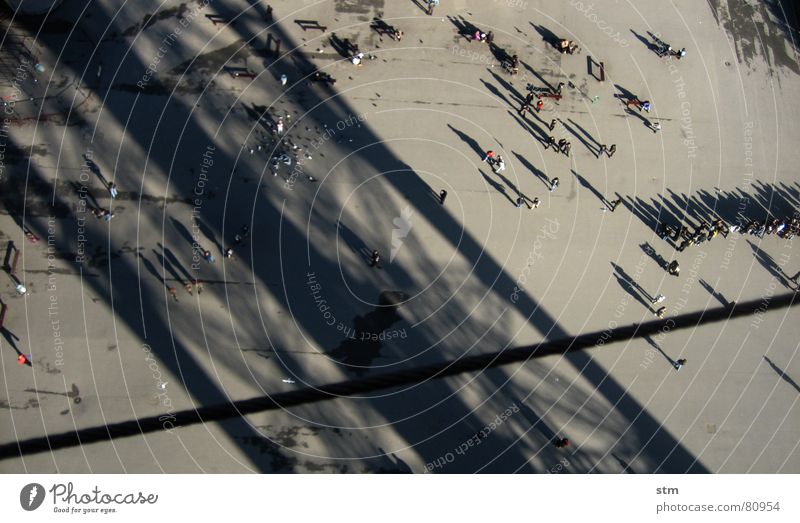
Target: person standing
x,y
489,158
442,196
656,127
198,284
611,150
673,268
188,286
551,142
613,204
539,104
112,189
208,257
431,5
554,184
375,259
173,292
536,203
552,124
567,147
658,299
521,200
660,312
680,363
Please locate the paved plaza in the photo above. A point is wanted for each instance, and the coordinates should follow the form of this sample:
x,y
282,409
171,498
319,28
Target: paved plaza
x,y
221,127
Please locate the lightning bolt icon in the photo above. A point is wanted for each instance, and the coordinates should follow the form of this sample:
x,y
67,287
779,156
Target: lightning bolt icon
x,y
32,495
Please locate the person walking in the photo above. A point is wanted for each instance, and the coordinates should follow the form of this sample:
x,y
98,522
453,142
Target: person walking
x,y
561,443
431,5
499,165
188,286
660,312
567,148
198,284
229,253
526,104
208,257
551,142
553,184
375,259
673,268
552,124
613,204
656,127
112,189
794,278
536,203
603,149
658,299
521,201
442,196
489,158
611,150
680,363
173,292
539,104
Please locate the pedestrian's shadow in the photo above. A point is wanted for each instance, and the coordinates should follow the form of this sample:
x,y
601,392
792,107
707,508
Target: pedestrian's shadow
x,y
174,261
768,263
585,133
510,88
208,233
653,344
547,35
541,176
464,27
650,45
629,285
626,468
650,251
352,240
183,231
167,265
468,140
541,78
495,91
717,295
782,374
497,186
531,127
583,181
151,268
397,467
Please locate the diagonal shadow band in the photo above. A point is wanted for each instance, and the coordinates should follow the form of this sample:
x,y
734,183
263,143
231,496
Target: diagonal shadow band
x,y
388,380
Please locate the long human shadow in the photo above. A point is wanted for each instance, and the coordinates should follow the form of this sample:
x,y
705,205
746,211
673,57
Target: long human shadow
x,y
629,285
650,46
508,87
473,144
656,346
715,294
650,251
573,347
785,377
496,186
594,148
495,91
540,175
583,181
770,264
489,273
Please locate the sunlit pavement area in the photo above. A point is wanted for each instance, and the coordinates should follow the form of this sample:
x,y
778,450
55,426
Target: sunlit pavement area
x,y
178,105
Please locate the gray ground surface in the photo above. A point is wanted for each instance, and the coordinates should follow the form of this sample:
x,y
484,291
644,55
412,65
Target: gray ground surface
x,y
475,275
